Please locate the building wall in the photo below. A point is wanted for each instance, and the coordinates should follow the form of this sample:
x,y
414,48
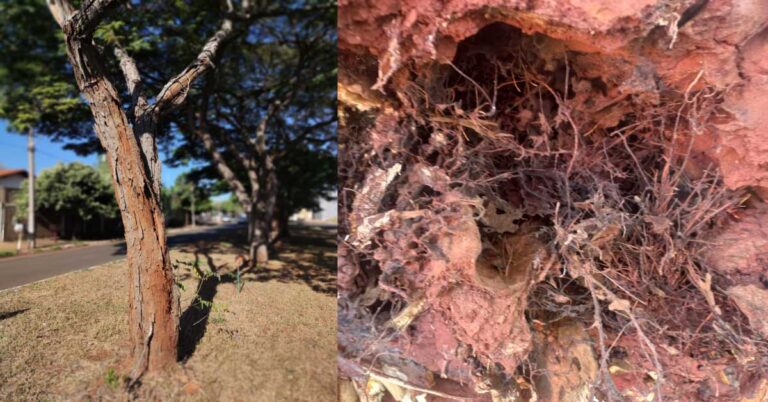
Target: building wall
x,y
13,181
9,186
7,219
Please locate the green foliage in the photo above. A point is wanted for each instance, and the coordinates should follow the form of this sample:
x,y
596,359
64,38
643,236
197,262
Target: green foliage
x,y
288,59
229,206
74,189
178,199
184,191
239,281
291,48
112,379
306,177
37,89
7,253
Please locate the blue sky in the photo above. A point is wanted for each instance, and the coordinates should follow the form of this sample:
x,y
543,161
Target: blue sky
x,y
13,154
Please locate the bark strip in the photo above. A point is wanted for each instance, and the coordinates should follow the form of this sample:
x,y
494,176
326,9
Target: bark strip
x,y
129,141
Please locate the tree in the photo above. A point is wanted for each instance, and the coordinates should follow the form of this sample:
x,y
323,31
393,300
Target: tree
x,y
270,106
135,69
75,193
230,206
306,176
129,138
131,111
188,198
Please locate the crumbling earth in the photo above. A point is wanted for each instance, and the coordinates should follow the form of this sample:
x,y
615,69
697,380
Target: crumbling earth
x,y
553,201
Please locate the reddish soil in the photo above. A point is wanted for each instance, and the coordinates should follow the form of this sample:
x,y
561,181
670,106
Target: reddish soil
x,y
554,200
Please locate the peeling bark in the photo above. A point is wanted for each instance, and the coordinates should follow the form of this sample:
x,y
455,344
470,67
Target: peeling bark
x,y
129,141
153,301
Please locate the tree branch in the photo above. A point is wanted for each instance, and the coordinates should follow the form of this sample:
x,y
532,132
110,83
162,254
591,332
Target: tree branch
x,y
227,141
308,130
220,162
84,22
175,91
132,78
61,10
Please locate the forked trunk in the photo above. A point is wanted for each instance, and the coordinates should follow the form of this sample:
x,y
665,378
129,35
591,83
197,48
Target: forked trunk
x,y
135,168
153,298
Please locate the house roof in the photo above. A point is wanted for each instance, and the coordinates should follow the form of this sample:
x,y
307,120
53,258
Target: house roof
x,y
11,172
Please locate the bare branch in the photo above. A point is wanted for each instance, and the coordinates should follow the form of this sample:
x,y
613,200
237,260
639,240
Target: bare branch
x,y
223,167
132,77
175,91
61,10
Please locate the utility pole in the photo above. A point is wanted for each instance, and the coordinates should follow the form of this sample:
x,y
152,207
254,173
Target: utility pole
x,y
193,207
31,182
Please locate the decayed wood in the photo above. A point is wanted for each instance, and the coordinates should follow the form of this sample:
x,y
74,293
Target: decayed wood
x,y
129,142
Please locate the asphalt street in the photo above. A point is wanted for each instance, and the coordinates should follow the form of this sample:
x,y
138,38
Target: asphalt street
x,y
17,271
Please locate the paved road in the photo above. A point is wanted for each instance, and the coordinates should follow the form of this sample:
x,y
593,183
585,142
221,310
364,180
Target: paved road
x,y
16,271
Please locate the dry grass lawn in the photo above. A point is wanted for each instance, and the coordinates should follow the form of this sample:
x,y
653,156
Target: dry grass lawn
x,y
65,338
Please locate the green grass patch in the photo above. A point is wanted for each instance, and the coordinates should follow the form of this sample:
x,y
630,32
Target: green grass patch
x,y
112,379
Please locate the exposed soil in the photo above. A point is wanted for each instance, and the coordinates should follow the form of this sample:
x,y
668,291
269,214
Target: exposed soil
x,y
558,201
65,338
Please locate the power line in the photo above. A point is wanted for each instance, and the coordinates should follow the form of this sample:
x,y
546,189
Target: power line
x,y
38,150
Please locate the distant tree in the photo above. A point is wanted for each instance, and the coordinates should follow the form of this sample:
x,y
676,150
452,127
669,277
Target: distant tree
x,y
270,109
306,177
75,193
230,206
183,195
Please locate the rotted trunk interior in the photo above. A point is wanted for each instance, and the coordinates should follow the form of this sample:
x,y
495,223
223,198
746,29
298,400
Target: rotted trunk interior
x,y
529,222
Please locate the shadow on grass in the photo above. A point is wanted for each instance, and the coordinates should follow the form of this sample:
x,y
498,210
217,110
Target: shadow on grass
x,y
194,320
303,258
304,264
307,256
7,315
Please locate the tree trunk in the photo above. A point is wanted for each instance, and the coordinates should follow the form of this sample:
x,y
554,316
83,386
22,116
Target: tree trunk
x,y
263,213
135,168
153,299
283,218
258,250
270,201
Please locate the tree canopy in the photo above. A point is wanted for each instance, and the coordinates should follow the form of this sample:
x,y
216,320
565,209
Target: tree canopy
x,y
281,81
37,88
285,66
73,189
179,198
